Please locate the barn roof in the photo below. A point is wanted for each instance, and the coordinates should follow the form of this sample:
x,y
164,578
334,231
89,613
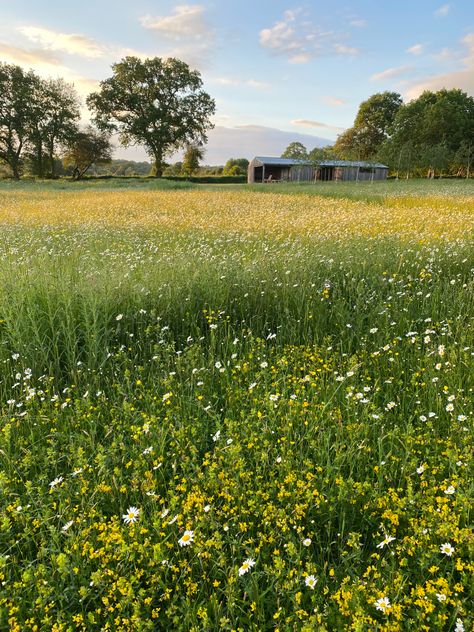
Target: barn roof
x,y
289,162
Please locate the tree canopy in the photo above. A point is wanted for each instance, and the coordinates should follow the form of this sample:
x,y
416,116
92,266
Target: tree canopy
x,y
372,127
295,150
236,167
18,112
157,103
86,148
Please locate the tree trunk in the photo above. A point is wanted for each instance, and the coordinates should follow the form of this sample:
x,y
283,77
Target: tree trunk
x,y
51,160
39,158
158,166
15,170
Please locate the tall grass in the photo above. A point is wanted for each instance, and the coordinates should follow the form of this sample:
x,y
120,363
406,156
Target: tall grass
x,y
291,383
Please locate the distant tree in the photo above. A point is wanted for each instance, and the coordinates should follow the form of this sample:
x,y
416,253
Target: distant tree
x,y
58,112
157,103
174,169
87,148
236,167
322,153
18,111
193,154
435,117
372,127
463,159
295,150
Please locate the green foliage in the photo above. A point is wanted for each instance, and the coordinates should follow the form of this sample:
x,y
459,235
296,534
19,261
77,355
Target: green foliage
x,y
156,103
37,117
19,111
434,130
372,126
322,153
299,401
59,112
193,154
87,148
295,150
236,167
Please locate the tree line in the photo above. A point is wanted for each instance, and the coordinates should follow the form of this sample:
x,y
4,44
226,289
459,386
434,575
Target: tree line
x,y
432,134
156,103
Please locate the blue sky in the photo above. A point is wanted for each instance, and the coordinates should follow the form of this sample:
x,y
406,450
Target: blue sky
x,y
279,70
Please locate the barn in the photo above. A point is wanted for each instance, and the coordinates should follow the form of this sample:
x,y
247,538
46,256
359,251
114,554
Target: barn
x,y
271,169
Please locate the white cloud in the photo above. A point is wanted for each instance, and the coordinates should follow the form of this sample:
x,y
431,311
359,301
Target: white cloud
x,y
390,73
442,10
28,57
334,101
342,49
186,21
233,81
416,49
188,28
310,123
462,78
299,40
358,23
445,54
254,140
70,43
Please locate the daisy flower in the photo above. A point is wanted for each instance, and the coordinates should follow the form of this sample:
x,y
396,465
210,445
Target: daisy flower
x,y
131,516
382,604
385,541
186,538
306,541
246,566
447,549
311,581
56,481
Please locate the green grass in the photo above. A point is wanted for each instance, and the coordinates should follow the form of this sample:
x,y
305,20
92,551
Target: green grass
x,y
258,391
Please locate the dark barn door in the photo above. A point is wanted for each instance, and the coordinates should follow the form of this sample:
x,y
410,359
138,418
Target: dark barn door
x,y
327,173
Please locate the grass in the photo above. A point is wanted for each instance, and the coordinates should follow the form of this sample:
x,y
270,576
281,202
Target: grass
x,y
287,376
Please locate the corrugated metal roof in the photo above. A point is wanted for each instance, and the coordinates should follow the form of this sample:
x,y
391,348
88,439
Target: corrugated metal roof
x,y
273,160
288,162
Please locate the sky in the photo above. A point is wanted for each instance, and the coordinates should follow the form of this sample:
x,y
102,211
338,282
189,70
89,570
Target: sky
x,y
278,70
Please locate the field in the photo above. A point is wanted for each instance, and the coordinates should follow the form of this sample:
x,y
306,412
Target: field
x,y
234,408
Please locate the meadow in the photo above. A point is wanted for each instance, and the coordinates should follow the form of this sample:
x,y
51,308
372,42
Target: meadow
x,y
236,408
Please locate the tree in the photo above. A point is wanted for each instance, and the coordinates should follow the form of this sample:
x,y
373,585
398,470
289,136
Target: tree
x,y
192,156
236,167
295,150
58,107
436,117
156,103
319,154
17,114
372,127
87,148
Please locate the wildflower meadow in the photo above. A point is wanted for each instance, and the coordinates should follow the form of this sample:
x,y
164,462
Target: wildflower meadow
x,y
235,408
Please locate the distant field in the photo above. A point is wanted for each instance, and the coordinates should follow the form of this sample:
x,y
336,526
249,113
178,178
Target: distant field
x,y
236,408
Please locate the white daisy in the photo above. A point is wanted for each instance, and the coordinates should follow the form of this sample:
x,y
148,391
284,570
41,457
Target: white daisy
x,y
131,516
186,538
311,581
447,549
246,566
382,604
385,541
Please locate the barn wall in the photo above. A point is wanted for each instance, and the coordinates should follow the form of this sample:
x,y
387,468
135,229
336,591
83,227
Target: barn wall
x,y
301,174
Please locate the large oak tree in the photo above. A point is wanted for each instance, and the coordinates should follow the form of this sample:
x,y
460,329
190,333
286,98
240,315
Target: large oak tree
x,y
157,103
